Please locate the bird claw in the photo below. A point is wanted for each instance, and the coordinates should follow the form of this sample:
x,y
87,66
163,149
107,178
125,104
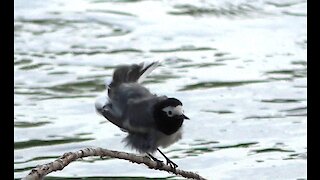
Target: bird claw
x,y
159,162
171,164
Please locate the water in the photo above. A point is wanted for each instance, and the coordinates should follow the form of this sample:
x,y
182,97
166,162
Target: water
x,y
239,68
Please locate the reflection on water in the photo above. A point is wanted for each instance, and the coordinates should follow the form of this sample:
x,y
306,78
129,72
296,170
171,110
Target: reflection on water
x,y
240,69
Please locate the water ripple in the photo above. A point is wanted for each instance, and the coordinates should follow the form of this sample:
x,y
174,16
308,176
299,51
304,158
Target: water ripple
x,y
227,10
38,142
183,48
25,124
217,84
267,150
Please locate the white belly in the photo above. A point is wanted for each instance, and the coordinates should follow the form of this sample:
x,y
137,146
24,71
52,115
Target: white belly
x,y
166,140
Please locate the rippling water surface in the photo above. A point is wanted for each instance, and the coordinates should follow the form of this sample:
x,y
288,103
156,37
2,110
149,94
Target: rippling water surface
x,y
239,67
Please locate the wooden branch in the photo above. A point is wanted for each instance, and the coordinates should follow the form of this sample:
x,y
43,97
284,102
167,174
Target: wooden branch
x,y
40,171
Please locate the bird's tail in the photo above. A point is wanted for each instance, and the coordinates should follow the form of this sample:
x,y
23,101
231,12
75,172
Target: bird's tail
x,y
132,73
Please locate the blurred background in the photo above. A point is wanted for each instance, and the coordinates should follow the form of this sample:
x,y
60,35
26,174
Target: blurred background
x,y
239,67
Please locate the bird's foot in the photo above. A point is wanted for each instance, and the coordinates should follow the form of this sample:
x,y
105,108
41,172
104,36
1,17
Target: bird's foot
x,y
159,162
171,164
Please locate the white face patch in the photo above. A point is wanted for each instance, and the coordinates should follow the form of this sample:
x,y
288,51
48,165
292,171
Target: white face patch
x,y
173,111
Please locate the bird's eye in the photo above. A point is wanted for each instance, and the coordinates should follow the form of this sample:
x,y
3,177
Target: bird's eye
x,y
169,112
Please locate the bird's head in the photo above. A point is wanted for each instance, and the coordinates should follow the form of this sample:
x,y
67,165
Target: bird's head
x,y
169,115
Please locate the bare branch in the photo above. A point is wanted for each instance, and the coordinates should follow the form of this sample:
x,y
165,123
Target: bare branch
x,y
40,171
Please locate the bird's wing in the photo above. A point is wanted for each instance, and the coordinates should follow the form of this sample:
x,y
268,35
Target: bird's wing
x,y
100,102
139,114
124,86
104,108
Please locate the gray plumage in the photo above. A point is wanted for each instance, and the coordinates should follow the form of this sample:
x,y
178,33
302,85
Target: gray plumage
x,y
130,106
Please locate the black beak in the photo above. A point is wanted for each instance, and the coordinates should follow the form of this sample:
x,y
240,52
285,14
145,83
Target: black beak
x,y
185,117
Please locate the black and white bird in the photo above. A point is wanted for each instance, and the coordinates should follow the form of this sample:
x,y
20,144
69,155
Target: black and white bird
x,y
151,121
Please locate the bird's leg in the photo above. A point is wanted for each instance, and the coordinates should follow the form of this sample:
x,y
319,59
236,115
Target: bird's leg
x,y
169,162
159,162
